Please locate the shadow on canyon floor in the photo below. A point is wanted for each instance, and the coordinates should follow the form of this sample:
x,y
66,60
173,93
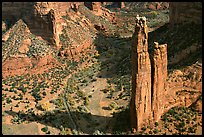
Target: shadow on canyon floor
x,y
61,120
37,26
115,54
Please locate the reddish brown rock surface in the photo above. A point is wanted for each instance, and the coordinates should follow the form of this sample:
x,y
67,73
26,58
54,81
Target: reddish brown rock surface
x,y
42,18
141,76
94,6
153,91
159,79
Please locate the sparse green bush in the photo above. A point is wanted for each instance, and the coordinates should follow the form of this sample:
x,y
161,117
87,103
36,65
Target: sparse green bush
x,y
112,105
8,100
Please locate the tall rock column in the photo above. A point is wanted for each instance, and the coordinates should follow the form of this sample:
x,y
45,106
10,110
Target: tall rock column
x,y
140,106
53,20
159,79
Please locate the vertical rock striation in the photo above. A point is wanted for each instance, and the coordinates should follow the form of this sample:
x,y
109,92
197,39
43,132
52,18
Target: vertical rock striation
x,y
148,80
159,79
141,76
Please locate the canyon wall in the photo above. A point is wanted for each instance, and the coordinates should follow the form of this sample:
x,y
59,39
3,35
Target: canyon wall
x,y
94,6
68,26
181,12
42,18
13,11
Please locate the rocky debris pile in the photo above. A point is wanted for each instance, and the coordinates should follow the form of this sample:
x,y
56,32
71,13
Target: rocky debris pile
x,y
106,19
10,39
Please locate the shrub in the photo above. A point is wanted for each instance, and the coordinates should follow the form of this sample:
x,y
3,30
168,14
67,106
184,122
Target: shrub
x,y
46,106
24,90
112,105
86,101
45,129
156,131
156,124
52,92
144,128
44,93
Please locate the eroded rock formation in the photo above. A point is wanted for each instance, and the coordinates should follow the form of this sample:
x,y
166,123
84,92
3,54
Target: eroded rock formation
x,y
148,80
159,79
42,18
141,76
153,91
94,6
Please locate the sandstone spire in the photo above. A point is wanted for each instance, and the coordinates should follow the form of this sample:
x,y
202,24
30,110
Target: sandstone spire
x,y
141,76
159,79
148,80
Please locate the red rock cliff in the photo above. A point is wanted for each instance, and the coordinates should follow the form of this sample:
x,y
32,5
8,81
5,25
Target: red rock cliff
x,y
42,18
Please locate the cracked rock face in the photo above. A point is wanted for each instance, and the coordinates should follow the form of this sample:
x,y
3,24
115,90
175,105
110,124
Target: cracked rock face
x,y
141,76
159,79
148,78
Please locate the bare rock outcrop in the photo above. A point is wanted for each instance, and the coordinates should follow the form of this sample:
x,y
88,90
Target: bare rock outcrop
x,y
141,76
148,79
159,79
94,6
153,91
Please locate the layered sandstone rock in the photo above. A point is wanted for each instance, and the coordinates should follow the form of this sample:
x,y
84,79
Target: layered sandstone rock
x,y
148,80
159,79
42,18
141,76
153,94
49,15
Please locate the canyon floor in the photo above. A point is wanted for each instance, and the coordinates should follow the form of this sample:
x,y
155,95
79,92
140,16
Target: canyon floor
x,y
93,97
